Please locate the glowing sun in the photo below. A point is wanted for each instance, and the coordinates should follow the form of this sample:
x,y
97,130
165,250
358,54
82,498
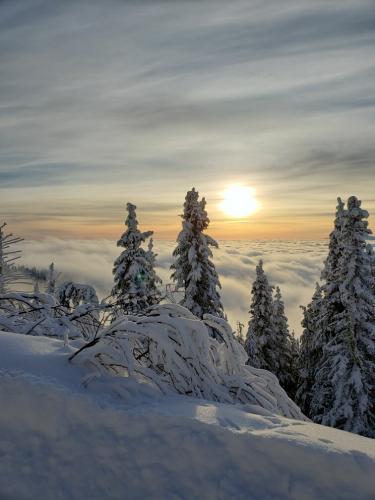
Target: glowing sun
x,y
239,201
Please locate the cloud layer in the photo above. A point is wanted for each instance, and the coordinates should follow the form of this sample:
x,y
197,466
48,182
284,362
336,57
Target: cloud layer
x,y
294,266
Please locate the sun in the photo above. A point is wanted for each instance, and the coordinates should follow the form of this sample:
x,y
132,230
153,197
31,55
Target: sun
x,y
239,201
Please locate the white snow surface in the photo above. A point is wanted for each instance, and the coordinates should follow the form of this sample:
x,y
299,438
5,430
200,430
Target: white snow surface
x,y
62,440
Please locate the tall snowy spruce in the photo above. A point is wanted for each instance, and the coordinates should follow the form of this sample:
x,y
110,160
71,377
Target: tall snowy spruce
x,y
261,340
135,279
315,333
193,270
343,394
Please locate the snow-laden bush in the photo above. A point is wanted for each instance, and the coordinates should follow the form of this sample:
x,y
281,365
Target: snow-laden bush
x,y
173,350
42,314
72,295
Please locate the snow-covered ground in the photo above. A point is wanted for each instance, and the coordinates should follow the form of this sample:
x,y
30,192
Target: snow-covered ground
x,y
114,440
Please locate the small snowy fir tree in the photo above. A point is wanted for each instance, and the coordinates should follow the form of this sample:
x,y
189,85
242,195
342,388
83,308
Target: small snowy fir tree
x,y
132,270
193,270
51,279
311,349
238,335
36,287
344,389
294,367
72,295
153,279
261,339
285,347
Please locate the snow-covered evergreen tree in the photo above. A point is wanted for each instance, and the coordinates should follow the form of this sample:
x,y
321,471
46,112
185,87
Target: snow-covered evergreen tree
x,y
371,254
51,279
193,270
319,314
70,294
329,273
285,346
343,394
153,279
238,334
294,367
269,344
132,270
310,351
261,339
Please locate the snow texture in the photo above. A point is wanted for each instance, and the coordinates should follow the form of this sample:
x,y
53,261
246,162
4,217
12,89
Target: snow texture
x,y
62,440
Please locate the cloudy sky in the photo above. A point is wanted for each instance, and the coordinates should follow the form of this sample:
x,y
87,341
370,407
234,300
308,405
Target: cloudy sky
x,y
105,102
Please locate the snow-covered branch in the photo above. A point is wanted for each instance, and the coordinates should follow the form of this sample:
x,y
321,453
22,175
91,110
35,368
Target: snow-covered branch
x,y
175,351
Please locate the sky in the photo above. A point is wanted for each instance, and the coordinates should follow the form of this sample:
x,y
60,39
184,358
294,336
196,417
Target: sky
x,y
107,102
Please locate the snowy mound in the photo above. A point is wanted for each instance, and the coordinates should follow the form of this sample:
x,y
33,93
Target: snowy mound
x,y
60,440
171,350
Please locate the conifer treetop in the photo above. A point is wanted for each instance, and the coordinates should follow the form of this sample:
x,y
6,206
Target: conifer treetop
x,y
132,237
335,244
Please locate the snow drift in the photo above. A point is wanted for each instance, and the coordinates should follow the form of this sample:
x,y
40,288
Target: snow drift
x,y
60,440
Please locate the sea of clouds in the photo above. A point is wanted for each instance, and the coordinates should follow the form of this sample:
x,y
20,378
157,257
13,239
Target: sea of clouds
x,y
293,265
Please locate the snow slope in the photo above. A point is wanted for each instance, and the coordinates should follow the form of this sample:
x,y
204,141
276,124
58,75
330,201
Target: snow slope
x,y
60,440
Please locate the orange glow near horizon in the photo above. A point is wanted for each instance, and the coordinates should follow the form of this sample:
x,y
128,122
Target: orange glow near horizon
x,y
258,227
272,219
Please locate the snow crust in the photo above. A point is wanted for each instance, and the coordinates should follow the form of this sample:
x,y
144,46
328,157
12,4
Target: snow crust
x,y
62,440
